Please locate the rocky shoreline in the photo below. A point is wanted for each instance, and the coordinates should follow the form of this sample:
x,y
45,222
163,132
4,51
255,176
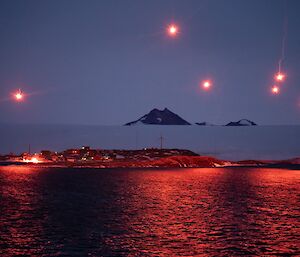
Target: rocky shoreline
x,y
165,162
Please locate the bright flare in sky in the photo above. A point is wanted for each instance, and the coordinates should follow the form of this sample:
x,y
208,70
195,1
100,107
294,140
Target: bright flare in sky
x,y
172,30
279,77
206,84
19,95
275,90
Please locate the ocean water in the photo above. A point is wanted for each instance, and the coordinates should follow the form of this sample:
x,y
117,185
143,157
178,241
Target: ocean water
x,y
184,212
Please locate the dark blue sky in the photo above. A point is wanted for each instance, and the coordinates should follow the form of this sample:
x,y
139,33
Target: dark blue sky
x,y
110,62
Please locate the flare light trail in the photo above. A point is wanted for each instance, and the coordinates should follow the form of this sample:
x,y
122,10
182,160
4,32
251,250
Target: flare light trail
x,y
279,78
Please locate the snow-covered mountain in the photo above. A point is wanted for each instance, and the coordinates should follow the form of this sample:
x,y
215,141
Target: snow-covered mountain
x,y
159,117
243,122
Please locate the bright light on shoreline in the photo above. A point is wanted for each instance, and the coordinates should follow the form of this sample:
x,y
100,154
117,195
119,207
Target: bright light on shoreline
x,y
32,160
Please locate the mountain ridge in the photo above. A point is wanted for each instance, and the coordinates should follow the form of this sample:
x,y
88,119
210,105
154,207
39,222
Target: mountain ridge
x,y
159,117
167,117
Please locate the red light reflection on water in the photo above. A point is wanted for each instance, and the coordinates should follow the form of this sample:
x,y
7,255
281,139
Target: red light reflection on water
x,y
166,212
20,227
191,212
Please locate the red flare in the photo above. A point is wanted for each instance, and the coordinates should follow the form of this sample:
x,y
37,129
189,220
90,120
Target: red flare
x,y
19,95
275,90
173,30
206,84
280,77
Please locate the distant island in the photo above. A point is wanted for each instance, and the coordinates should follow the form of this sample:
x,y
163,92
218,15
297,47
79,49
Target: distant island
x,y
159,117
167,117
85,157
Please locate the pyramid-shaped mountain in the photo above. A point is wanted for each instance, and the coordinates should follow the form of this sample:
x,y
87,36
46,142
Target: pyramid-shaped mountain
x,y
243,122
159,117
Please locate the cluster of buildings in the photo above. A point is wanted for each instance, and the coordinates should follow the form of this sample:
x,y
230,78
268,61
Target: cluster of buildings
x,y
86,154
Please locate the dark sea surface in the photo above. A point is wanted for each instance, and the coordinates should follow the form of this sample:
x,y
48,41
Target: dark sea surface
x,y
184,212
